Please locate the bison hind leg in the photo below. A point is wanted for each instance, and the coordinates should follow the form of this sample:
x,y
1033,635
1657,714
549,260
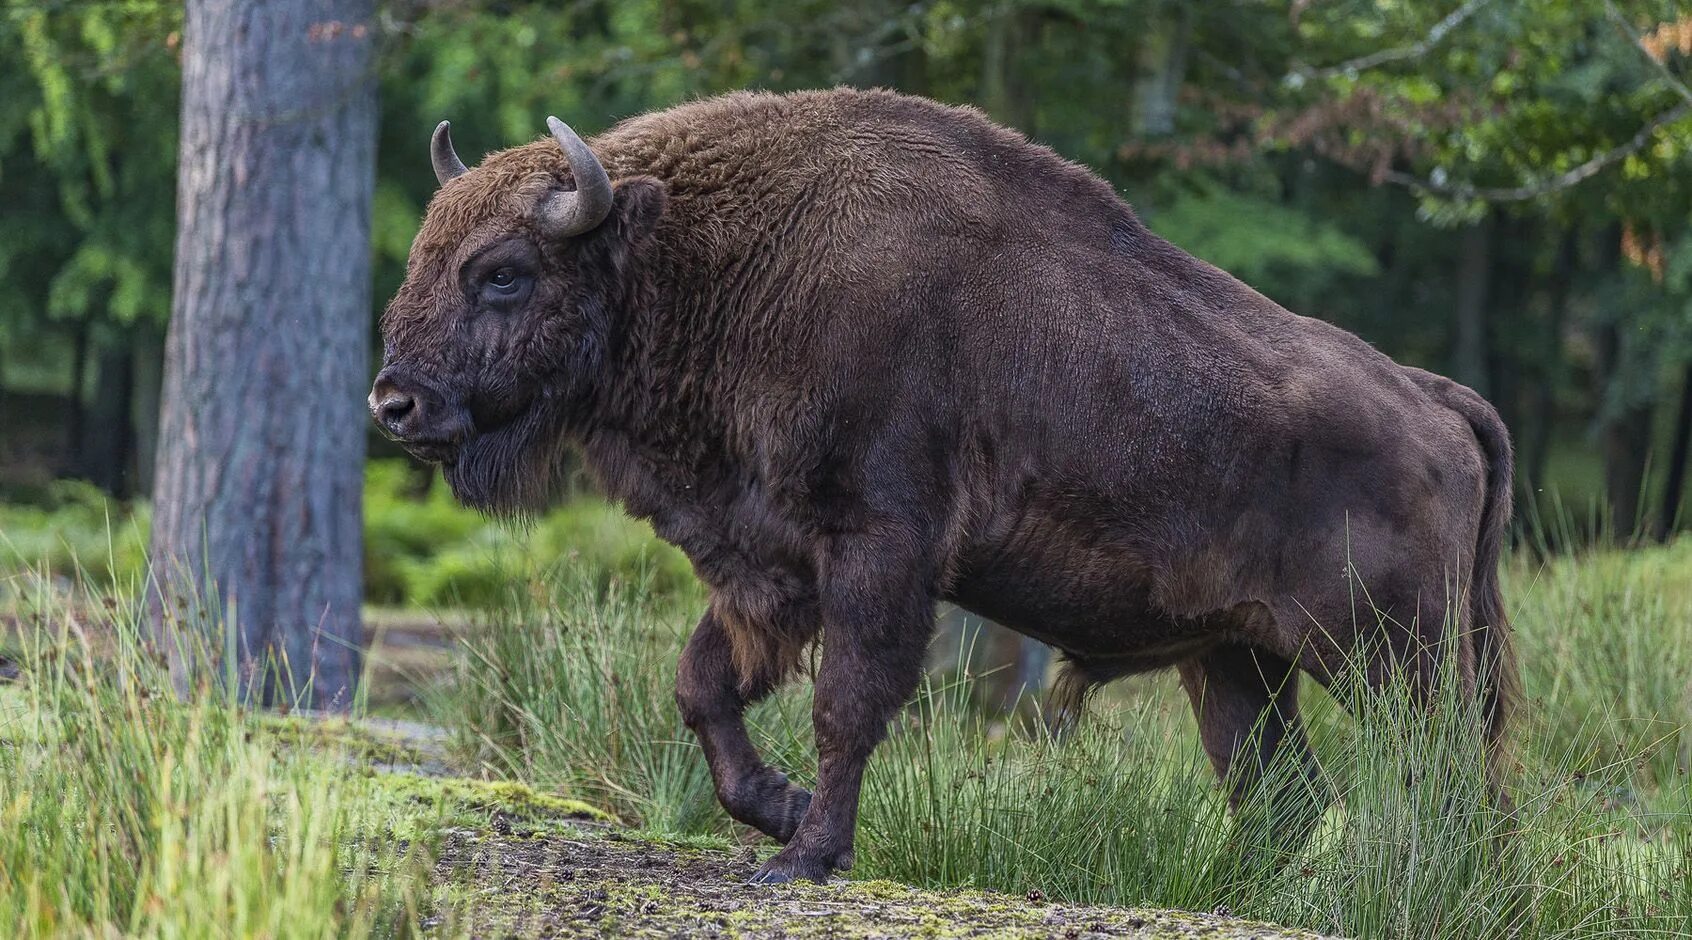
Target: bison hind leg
x,y
1246,703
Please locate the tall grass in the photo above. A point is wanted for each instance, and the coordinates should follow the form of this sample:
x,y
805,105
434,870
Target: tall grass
x,y
574,688
125,810
571,689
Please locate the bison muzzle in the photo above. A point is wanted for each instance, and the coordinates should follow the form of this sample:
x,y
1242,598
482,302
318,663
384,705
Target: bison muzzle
x,y
856,353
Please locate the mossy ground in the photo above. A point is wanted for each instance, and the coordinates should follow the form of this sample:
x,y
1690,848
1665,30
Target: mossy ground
x,y
512,861
597,883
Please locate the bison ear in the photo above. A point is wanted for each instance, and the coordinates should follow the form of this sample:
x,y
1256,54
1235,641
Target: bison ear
x,y
635,210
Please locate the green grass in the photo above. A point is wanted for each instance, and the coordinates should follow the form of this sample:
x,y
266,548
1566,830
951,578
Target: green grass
x,y
573,689
125,810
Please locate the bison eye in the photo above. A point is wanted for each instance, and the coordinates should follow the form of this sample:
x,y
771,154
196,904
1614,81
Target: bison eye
x,y
504,281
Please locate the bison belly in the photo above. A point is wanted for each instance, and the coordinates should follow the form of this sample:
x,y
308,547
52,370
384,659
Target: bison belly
x,y
1088,594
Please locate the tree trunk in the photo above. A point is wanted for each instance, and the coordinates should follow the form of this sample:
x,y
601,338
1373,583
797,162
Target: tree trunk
x,y
1552,374
1627,446
261,441
1675,483
107,439
144,406
1005,92
1473,268
74,420
1626,442
1163,66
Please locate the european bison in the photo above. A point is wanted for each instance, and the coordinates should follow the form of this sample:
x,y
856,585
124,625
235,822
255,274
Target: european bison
x,y
856,352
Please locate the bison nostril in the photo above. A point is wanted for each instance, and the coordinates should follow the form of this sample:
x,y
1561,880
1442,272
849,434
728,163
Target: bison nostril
x,y
394,410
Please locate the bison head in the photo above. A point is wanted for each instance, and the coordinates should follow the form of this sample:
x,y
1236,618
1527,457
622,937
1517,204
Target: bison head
x,y
514,290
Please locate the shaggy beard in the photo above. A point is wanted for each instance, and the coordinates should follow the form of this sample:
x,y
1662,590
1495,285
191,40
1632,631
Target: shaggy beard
x,y
517,469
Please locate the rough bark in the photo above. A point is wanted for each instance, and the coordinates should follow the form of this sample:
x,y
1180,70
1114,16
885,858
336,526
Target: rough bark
x,y
261,439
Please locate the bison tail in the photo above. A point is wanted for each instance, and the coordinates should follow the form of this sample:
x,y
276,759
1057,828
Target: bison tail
x,y
1489,624
1496,678
1495,661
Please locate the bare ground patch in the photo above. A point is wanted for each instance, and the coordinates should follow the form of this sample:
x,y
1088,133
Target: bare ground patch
x,y
593,882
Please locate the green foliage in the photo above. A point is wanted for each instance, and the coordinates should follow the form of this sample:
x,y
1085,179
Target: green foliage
x,y
421,548
426,550
87,161
76,529
1274,248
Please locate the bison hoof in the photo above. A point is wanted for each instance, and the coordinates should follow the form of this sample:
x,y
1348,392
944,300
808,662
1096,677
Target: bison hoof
x,y
788,866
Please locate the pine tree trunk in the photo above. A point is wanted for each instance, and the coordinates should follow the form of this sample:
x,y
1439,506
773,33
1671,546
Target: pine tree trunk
x,y
261,440
1552,375
74,433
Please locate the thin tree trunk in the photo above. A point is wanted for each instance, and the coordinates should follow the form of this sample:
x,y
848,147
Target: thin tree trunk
x,y
144,408
1625,428
1626,441
262,434
1473,269
79,377
107,440
1005,91
1163,67
1538,450
1675,483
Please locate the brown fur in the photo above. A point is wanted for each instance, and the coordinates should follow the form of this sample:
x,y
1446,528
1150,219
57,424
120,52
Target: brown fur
x,y
856,352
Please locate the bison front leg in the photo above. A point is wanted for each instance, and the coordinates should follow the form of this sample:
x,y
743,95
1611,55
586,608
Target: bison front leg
x,y
876,625
713,697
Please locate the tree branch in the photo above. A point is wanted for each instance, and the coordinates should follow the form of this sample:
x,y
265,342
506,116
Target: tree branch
x,y
1545,187
1661,66
1415,50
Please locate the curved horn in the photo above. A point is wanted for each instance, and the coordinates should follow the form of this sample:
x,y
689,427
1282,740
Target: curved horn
x,y
567,214
447,165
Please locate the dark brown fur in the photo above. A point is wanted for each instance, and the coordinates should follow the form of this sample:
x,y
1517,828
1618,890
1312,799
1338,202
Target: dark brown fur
x,y
856,353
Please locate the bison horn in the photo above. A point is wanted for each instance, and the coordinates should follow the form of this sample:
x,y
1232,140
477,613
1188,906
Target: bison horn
x,y
567,214
447,165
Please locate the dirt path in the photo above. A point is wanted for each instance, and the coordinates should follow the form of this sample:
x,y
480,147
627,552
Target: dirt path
x,y
597,882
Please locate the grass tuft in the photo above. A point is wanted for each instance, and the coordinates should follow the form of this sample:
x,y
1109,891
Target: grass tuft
x,y
126,810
